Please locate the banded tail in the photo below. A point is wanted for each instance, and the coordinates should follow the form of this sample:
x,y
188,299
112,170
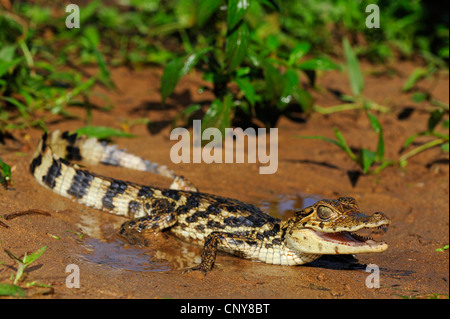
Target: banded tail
x,y
51,167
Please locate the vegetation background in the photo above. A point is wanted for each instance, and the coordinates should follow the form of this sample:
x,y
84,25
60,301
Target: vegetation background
x,y
260,60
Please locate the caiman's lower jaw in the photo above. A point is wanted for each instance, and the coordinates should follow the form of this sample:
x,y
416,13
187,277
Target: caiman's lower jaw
x,y
311,241
354,242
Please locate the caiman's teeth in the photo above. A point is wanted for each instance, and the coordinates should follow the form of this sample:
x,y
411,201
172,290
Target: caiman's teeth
x,y
364,238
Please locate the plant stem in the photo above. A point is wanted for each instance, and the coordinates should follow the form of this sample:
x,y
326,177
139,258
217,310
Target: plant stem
x,y
350,106
336,108
422,148
26,53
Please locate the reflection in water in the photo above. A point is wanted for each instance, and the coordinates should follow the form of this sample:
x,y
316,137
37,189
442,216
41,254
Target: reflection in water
x,y
116,254
103,248
284,206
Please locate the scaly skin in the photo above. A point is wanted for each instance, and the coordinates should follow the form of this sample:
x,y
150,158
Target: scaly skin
x,y
203,219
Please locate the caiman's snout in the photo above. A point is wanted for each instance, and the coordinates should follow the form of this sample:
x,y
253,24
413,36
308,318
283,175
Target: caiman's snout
x,y
380,218
376,220
330,227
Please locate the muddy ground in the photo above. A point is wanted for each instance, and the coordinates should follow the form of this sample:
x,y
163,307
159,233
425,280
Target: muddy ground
x,y
415,198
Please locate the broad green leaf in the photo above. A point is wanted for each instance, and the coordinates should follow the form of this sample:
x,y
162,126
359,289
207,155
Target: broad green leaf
x,y
241,72
290,85
304,98
440,249
340,142
236,46
171,76
93,37
19,105
83,87
411,139
254,58
192,59
5,66
272,42
318,64
5,172
236,12
206,9
185,12
247,89
191,109
218,114
298,52
419,97
444,147
415,77
7,53
28,259
380,147
102,132
444,52
274,82
291,78
434,119
376,126
89,10
11,290
91,33
366,159
354,71
343,144
176,69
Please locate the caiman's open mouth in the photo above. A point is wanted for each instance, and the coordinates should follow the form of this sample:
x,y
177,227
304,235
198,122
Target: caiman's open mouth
x,y
352,239
347,238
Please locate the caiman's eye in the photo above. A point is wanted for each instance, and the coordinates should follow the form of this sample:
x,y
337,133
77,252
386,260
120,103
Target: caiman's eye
x,y
324,212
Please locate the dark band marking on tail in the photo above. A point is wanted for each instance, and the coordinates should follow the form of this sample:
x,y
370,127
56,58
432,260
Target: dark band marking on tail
x,y
80,184
53,172
44,141
36,162
116,187
73,153
71,138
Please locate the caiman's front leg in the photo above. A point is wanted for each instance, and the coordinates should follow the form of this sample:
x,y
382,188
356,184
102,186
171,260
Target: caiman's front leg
x,y
232,243
132,230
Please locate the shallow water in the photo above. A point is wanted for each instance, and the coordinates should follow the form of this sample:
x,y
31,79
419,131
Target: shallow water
x,y
114,254
284,206
104,248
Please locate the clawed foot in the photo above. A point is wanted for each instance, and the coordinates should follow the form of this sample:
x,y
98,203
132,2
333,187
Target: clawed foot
x,y
195,268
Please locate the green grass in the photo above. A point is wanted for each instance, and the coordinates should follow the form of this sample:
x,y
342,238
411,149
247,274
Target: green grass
x,y
252,74
264,47
14,289
357,100
374,161
441,249
5,174
261,59
366,158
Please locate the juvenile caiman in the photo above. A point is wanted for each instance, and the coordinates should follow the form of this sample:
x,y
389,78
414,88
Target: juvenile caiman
x,y
327,227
